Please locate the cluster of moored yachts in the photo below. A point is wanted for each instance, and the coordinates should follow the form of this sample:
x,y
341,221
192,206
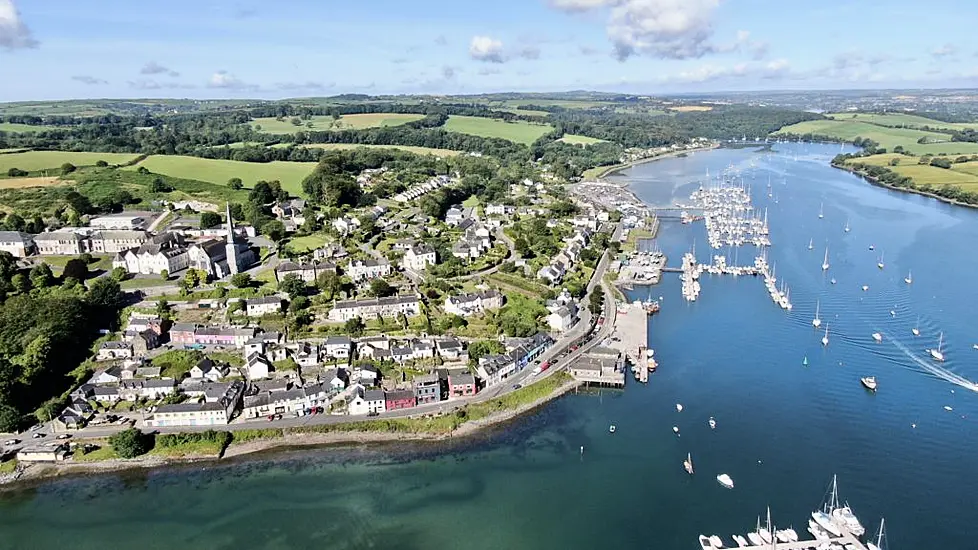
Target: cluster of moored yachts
x,y
834,527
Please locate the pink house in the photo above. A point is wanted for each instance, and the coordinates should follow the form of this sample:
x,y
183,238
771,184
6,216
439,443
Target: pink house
x,y
461,384
400,399
214,336
182,333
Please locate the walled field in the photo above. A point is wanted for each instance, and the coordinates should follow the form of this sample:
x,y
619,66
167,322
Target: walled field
x,y
691,108
21,183
963,176
33,161
219,172
886,137
326,123
519,132
904,120
574,139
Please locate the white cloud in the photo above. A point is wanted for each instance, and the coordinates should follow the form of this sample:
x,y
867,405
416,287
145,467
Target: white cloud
x,y
227,81
944,51
14,34
530,52
155,68
578,5
89,80
772,70
484,48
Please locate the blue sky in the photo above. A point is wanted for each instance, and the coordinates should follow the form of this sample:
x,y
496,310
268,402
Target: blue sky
x,y
60,49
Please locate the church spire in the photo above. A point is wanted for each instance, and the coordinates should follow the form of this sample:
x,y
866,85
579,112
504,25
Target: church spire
x,y
227,208
231,249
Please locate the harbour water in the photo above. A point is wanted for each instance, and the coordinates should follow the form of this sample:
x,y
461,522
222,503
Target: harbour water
x,y
782,428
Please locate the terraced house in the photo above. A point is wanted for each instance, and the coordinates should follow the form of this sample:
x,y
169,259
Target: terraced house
x,y
372,307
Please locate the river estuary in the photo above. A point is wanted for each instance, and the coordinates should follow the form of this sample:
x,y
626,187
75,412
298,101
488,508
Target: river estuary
x,y
783,429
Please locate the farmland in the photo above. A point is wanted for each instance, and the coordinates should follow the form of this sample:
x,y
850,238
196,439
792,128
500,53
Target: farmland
x,y
219,172
887,137
902,120
961,175
21,183
410,148
16,128
33,161
326,123
580,140
519,132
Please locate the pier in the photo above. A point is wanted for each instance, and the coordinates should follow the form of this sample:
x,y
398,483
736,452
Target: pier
x,y
631,336
847,541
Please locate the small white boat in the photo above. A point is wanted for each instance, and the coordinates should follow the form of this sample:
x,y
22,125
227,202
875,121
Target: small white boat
x,y
937,354
825,522
817,531
675,430
724,479
825,339
679,407
892,313
869,382
612,428
871,247
816,321
832,281
792,535
846,518
846,228
879,264
865,288
878,337
741,541
781,536
755,539
948,408
974,346
688,464
705,543
811,244
713,423
716,541
880,537
909,278
821,211
916,331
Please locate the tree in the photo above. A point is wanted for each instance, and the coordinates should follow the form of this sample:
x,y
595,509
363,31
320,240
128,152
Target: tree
x,y
50,409
119,274
142,170
163,308
210,219
10,419
21,282
241,280
292,285
235,183
480,349
191,279
354,327
330,284
129,443
106,294
261,193
17,173
67,168
41,275
75,268
381,288
164,274
159,185
299,303
101,164
274,229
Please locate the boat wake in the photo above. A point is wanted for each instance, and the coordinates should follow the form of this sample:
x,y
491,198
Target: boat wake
x,y
936,370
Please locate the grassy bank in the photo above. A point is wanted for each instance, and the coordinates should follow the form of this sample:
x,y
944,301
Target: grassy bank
x,y
325,123
8,467
216,171
935,143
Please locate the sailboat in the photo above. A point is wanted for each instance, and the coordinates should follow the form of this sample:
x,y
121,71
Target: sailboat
x,y
816,322
846,228
821,213
880,536
713,423
879,264
688,464
811,244
825,261
909,278
937,354
825,339
804,361
915,330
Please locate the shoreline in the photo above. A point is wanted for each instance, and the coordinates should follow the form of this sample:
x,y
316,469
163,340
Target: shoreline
x,y
31,475
877,183
619,167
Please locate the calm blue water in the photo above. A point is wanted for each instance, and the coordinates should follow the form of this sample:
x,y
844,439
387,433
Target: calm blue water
x,y
783,429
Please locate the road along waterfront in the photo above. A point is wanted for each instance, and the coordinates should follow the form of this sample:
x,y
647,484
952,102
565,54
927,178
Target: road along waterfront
x,y
782,428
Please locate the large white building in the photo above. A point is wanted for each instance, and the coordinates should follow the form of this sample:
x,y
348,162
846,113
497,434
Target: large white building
x,y
110,242
361,270
163,252
17,243
215,413
419,257
119,221
59,242
464,305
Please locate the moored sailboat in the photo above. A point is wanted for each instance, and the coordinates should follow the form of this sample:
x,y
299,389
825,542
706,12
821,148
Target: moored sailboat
x,y
880,537
937,354
909,278
825,261
688,464
816,322
915,330
880,264
825,339
811,244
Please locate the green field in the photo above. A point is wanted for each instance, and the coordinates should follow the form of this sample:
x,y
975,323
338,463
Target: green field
x,y
886,137
902,120
574,139
326,123
219,172
33,161
520,132
523,112
963,176
411,148
308,243
16,128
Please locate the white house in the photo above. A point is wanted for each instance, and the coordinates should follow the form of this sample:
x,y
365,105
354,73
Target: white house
x,y
269,305
338,347
17,243
464,305
118,221
257,367
418,257
500,210
207,369
361,270
371,307
109,351
64,243
561,319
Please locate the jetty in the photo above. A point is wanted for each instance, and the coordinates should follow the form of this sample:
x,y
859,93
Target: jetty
x,y
631,336
847,541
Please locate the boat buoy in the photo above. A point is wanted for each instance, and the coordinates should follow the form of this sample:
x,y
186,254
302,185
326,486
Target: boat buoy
x,y
679,407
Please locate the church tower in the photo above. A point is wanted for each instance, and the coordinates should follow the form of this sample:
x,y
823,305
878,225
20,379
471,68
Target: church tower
x,y
230,249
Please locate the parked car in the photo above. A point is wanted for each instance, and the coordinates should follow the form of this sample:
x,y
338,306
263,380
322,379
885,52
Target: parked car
x,y
271,417
373,413
11,442
517,386
37,435
64,436
320,409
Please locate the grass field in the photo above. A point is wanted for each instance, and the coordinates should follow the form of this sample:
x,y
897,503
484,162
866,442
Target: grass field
x,y
21,183
566,104
691,108
963,176
16,128
33,161
574,139
524,112
886,137
219,172
326,123
520,132
902,120
308,242
411,148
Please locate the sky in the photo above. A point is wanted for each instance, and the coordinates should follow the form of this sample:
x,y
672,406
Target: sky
x,y
74,49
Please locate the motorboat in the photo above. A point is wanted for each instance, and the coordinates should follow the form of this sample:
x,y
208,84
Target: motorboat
x,y
869,382
948,408
741,541
832,281
688,464
821,211
611,428
781,536
679,407
705,543
974,347
916,331
791,534
804,362
845,516
892,313
865,288
846,228
817,531
716,541
909,278
675,430
755,539
713,423
724,479
878,337
937,354
825,339
826,523
816,321
872,247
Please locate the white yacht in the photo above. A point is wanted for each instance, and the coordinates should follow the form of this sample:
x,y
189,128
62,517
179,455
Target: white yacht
x,y
713,423
825,339
724,479
878,337
791,534
909,278
675,430
937,354
865,288
825,522
880,537
821,210
781,536
679,407
825,262
755,539
869,382
688,464
879,264
716,541
817,531
611,428
816,322
740,540
845,517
